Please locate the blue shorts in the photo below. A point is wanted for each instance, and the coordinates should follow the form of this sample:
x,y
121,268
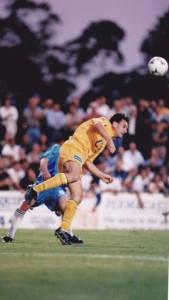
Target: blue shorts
x,y
50,198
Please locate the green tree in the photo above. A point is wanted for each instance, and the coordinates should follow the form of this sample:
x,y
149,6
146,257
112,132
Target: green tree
x,y
28,60
100,38
156,43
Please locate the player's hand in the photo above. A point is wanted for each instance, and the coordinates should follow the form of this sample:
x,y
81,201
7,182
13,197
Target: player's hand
x,y
110,146
46,175
107,178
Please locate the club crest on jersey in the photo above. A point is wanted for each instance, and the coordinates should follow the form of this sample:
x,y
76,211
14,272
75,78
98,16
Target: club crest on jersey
x,y
77,158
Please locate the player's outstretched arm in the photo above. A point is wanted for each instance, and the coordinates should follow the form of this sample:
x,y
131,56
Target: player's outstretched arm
x,y
96,172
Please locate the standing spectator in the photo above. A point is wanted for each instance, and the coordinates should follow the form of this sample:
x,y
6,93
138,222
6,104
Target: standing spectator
x,y
73,119
143,128
9,117
159,139
33,114
131,135
55,121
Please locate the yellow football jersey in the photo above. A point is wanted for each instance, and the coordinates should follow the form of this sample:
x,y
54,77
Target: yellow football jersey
x,y
86,143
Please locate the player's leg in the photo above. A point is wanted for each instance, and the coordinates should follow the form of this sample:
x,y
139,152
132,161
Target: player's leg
x,y
72,172
60,208
16,221
76,192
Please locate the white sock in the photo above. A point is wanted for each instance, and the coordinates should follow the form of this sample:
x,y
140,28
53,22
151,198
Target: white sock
x,y
16,220
70,231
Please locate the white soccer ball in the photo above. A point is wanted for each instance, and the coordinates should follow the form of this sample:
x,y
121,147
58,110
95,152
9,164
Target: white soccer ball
x,y
158,66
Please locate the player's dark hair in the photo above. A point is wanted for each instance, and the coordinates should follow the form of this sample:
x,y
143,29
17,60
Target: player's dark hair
x,y
118,118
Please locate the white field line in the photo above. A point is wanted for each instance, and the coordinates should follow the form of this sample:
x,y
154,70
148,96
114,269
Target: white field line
x,y
100,256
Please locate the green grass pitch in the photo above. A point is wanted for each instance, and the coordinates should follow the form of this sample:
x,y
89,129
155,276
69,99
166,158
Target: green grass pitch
x,y
111,265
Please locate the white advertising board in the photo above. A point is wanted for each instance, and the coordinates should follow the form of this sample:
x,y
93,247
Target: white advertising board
x,y
120,211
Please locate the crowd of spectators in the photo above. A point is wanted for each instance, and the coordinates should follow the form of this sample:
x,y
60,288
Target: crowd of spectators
x,y
140,164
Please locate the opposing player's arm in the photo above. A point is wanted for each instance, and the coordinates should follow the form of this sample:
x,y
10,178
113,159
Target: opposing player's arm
x,y
99,127
44,168
96,172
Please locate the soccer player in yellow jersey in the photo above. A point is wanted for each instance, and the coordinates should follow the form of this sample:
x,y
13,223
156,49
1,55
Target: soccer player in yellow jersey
x,y
87,142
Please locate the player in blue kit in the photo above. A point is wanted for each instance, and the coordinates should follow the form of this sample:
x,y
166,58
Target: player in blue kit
x,y
55,199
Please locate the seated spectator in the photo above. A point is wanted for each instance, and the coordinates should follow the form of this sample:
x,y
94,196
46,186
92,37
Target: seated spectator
x,y
10,149
156,185
5,180
154,162
114,187
33,157
76,101
107,158
29,178
117,107
16,174
25,143
118,171
92,112
132,158
102,108
128,182
44,143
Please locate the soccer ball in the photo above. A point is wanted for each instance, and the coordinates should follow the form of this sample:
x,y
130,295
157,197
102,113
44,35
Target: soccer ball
x,y
158,66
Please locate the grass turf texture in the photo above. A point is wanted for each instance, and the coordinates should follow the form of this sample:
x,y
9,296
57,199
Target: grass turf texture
x,y
118,265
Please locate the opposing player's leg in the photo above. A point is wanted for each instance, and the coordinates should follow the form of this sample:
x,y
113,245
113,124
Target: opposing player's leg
x,y
16,221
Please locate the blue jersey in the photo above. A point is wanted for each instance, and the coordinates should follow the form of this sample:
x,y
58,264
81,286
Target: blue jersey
x,y
50,197
52,154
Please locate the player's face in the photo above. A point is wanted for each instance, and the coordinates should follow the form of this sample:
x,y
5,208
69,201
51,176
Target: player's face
x,y
120,128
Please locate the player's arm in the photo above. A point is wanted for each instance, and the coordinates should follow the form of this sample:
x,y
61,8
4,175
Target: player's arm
x,y
44,168
99,127
96,172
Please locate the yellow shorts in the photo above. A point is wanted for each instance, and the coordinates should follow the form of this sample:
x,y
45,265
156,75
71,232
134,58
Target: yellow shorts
x,y
73,151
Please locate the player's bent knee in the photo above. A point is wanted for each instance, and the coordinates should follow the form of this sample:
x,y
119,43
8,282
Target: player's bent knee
x,y
78,198
73,177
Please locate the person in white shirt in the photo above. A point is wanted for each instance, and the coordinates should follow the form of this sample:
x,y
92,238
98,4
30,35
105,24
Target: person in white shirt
x,y
132,158
10,149
9,117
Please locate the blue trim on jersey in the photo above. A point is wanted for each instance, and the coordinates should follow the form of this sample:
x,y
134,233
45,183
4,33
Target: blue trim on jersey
x,y
77,158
